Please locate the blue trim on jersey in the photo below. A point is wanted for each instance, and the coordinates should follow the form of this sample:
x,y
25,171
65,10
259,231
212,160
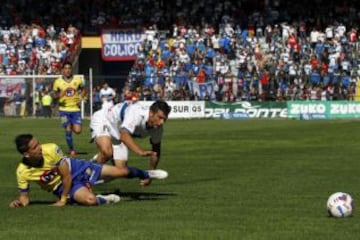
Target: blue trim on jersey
x,y
122,111
22,190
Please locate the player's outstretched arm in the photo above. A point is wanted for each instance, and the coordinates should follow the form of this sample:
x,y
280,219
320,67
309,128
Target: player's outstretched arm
x,y
128,140
66,179
154,161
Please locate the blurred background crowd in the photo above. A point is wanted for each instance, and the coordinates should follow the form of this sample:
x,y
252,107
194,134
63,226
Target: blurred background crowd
x,y
239,50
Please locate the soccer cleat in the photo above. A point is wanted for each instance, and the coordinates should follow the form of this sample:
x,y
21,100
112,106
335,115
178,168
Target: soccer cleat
x,y
157,174
110,198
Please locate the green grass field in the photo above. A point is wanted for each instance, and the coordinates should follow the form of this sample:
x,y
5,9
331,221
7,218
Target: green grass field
x,y
248,179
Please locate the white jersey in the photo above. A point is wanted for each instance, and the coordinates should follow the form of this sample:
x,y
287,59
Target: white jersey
x,y
106,96
131,117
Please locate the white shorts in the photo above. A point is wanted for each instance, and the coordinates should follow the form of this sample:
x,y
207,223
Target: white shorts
x,y
100,126
120,152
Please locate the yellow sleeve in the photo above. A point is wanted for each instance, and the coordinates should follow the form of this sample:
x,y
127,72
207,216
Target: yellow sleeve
x,y
58,153
54,154
22,180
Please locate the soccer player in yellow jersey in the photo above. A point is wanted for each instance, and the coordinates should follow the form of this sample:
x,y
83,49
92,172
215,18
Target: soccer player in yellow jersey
x,y
68,178
69,90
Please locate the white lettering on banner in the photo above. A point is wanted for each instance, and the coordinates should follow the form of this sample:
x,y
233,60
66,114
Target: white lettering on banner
x,y
262,112
184,109
121,50
251,112
120,44
123,37
180,109
308,108
120,36
345,108
218,112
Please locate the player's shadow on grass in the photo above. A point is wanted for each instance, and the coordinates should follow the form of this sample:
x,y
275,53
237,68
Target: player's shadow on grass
x,y
127,196
143,196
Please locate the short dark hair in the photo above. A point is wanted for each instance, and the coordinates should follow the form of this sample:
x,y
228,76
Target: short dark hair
x,y
67,63
161,105
22,142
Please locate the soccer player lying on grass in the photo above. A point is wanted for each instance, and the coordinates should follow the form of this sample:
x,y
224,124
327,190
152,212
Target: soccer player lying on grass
x,y
68,178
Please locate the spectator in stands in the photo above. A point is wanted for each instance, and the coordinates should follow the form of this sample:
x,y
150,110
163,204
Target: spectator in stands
x,y
169,88
217,33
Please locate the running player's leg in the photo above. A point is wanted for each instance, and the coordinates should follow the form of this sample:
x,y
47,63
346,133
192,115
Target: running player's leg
x,y
76,127
76,122
101,136
105,149
65,118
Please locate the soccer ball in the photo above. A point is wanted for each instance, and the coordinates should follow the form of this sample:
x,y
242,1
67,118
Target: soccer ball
x,y
340,205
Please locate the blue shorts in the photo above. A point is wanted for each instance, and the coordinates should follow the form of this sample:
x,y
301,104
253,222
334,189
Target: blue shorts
x,y
70,118
84,173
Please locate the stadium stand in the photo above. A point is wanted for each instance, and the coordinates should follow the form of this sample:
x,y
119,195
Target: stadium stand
x,y
247,50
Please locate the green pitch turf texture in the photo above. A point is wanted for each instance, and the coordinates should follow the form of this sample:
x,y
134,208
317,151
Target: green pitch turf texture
x,y
247,179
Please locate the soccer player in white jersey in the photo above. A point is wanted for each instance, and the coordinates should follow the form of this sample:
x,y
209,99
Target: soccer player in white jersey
x,y
107,95
113,129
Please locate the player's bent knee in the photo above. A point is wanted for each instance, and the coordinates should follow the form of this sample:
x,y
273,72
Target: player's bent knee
x,y
84,197
77,131
106,152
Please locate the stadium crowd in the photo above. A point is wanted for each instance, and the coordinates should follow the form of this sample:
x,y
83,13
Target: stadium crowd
x,y
240,50
36,49
312,58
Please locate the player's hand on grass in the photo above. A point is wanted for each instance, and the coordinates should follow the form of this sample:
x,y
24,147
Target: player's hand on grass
x,y
145,182
15,204
59,204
